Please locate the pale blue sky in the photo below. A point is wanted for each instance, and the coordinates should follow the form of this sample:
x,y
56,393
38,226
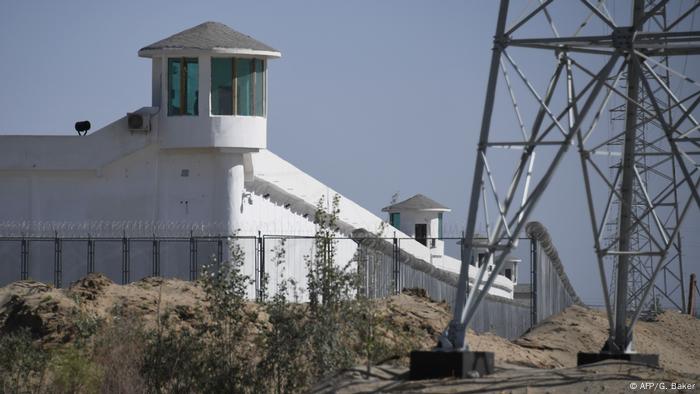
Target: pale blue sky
x,y
370,97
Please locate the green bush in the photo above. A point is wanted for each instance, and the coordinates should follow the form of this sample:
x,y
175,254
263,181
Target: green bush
x,y
215,357
284,367
73,372
331,290
172,361
85,324
22,363
119,350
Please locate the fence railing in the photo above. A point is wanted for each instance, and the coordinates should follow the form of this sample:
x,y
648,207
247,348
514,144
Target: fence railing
x,y
384,264
552,291
61,260
501,316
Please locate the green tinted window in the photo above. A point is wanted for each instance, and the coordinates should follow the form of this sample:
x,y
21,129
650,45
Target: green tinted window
x,y
440,225
192,91
259,91
245,77
222,86
174,79
395,219
244,86
183,86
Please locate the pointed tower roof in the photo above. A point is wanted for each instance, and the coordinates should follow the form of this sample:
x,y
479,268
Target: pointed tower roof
x,y
418,202
209,37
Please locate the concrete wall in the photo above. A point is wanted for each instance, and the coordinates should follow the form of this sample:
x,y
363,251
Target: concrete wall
x,y
230,192
191,186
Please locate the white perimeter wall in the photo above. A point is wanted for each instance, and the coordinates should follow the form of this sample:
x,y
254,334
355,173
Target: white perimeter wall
x,y
191,186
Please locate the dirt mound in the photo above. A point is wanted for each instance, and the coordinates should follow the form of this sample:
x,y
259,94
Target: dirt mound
x,y
555,342
32,305
90,287
52,314
416,314
674,336
542,360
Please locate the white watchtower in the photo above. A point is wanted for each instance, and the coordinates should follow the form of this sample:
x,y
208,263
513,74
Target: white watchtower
x,y
421,218
210,85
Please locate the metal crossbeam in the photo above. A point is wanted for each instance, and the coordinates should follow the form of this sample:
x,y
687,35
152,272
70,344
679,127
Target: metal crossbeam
x,y
649,191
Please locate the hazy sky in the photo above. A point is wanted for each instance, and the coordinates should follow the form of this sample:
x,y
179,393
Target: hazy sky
x,y
370,97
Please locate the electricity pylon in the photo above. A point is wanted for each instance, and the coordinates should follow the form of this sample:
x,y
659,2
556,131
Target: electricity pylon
x,y
657,171
589,63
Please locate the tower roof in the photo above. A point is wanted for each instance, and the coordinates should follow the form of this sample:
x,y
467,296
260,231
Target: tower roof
x,y
418,202
210,37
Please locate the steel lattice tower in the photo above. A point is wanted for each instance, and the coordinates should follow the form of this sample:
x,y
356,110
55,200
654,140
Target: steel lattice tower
x,y
595,61
657,169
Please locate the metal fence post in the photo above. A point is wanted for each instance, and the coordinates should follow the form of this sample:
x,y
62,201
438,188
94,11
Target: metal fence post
x,y
397,285
691,294
365,261
193,257
125,259
262,260
155,268
24,269
259,278
533,282
57,268
90,255
219,252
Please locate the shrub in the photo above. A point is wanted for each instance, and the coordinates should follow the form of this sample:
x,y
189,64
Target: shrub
x,y
119,350
85,324
230,352
378,340
285,362
74,372
330,288
22,363
172,361
213,357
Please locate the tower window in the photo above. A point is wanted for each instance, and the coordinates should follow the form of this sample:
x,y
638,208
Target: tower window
x,y
245,78
395,219
183,86
480,259
440,225
421,231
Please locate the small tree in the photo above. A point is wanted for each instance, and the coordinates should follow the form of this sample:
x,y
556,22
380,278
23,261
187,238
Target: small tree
x,y
215,357
284,367
331,288
369,323
229,354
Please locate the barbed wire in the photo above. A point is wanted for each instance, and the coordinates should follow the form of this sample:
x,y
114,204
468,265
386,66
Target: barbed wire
x,y
104,228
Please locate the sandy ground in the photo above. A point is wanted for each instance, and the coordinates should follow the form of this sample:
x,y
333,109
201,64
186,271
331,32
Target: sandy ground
x,y
543,359
50,313
555,342
609,376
